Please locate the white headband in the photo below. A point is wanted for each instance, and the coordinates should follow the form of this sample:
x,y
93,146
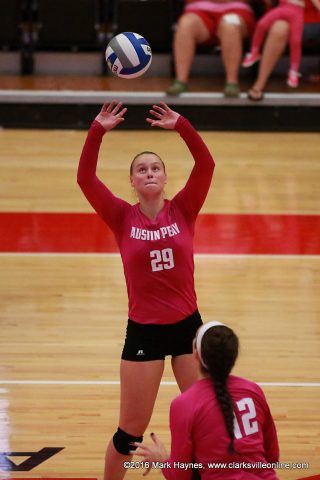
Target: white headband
x,y
202,330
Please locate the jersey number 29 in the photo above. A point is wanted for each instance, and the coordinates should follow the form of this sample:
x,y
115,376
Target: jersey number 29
x,y
161,259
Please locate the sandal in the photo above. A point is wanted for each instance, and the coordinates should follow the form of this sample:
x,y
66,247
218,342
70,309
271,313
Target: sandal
x,y
255,95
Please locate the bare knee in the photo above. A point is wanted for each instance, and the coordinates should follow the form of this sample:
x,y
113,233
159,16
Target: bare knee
x,y
280,31
132,421
192,25
134,425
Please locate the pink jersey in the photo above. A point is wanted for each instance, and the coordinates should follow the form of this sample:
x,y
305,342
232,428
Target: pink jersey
x,y
157,254
199,434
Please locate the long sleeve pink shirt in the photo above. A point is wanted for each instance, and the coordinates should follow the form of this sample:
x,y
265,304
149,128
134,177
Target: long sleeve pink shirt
x,y
199,435
157,254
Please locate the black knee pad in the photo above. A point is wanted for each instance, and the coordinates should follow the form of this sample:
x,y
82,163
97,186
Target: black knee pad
x,y
122,441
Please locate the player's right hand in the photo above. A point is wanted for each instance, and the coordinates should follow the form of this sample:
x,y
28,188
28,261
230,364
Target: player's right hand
x,y
111,115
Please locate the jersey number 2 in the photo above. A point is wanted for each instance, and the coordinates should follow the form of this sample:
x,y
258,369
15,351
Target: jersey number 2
x,y
249,424
161,259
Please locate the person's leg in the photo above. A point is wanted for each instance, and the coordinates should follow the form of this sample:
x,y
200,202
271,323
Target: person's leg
x,y
275,44
231,32
185,369
295,43
260,32
190,32
262,28
139,387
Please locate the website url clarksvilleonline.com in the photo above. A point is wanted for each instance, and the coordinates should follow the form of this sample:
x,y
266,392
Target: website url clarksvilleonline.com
x,y
218,465
260,465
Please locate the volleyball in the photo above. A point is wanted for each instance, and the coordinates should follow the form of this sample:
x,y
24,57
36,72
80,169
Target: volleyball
x,y
128,55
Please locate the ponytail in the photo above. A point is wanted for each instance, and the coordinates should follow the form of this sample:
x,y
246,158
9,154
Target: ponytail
x,y
219,351
225,402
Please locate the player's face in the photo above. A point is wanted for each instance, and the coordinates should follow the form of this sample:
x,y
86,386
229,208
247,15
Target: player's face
x,y
148,175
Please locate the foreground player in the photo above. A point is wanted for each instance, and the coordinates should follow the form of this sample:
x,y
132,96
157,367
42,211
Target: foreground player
x,y
155,238
220,419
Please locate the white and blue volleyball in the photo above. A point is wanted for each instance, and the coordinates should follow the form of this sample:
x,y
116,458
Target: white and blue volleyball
x,y
128,55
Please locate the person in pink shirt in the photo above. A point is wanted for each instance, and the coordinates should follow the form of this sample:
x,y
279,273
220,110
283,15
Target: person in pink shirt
x,y
221,425
291,12
155,239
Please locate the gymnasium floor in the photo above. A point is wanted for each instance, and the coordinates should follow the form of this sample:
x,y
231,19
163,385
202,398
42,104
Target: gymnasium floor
x,y
63,299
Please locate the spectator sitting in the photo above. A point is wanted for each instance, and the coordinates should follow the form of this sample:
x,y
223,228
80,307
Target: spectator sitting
x,y
285,25
207,22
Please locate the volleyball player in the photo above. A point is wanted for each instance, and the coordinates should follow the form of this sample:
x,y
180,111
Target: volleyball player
x,y
220,419
155,238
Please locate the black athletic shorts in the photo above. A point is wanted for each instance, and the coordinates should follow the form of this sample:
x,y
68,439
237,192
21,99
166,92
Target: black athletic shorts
x,y
146,342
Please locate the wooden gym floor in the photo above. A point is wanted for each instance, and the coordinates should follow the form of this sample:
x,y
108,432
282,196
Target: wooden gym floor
x,y
63,299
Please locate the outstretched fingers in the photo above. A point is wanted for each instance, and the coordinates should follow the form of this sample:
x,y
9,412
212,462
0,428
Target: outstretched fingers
x,y
161,109
158,112
153,122
158,108
155,439
117,108
141,449
111,106
111,115
104,107
164,106
121,113
161,106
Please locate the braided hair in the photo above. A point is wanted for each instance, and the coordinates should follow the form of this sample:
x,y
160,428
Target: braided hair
x,y
219,351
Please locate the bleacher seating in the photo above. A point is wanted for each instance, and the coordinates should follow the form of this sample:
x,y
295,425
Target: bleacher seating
x,y
31,26
153,19
16,31
12,15
67,25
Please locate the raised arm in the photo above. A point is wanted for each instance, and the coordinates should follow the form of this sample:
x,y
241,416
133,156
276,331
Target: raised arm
x,y
99,196
193,195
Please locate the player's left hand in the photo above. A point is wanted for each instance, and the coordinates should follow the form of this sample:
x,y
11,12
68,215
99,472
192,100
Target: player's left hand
x,y
155,452
164,117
